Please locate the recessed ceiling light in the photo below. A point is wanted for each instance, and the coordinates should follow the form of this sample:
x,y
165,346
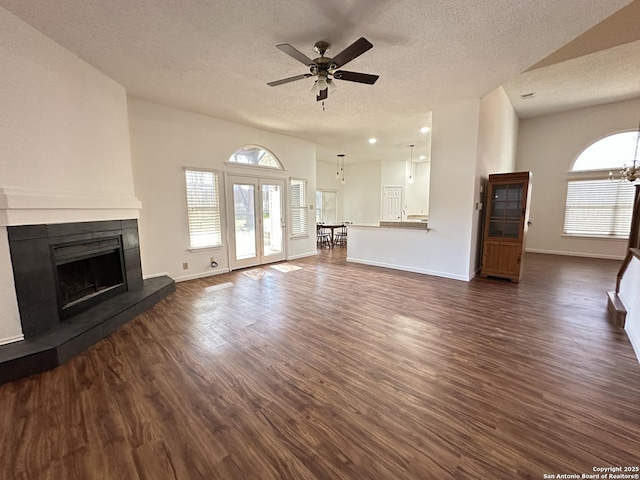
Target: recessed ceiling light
x,y
422,157
373,140
424,129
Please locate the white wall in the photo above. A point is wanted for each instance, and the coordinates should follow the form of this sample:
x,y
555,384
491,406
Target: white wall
x,y
630,294
417,195
64,145
454,145
547,146
362,198
164,140
497,140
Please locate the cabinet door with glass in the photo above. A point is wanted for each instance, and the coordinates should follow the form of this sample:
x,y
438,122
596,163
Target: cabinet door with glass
x,y
507,214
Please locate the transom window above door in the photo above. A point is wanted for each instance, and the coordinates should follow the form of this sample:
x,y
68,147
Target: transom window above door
x,y
257,156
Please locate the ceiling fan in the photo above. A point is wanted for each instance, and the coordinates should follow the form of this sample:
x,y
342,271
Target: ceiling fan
x,y
326,68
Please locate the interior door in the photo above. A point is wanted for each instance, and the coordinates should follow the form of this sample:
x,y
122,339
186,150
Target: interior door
x,y
392,204
256,213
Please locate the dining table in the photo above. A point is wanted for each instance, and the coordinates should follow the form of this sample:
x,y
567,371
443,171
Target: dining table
x,y
332,227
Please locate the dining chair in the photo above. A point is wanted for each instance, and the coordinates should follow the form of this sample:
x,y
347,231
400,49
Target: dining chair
x,y
322,237
340,237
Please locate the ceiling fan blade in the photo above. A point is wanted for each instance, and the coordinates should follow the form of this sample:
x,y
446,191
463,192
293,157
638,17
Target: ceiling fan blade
x,y
322,95
356,49
355,77
290,79
292,52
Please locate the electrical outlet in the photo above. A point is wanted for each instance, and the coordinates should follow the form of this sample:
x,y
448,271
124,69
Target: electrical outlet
x,y
185,266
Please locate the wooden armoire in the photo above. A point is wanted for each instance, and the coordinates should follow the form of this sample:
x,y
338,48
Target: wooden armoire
x,y
505,225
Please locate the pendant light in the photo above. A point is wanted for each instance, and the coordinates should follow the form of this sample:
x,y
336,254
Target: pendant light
x,y
411,165
341,157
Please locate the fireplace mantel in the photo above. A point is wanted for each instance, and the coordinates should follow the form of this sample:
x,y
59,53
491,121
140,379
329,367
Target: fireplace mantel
x,y
31,207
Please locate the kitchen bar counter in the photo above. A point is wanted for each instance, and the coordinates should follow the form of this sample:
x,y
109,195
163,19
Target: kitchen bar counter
x,y
408,246
405,224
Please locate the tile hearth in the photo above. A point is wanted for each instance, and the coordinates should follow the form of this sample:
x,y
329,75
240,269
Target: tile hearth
x,y
54,347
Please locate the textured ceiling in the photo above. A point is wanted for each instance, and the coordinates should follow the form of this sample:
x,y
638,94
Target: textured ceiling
x,y
216,57
600,66
606,76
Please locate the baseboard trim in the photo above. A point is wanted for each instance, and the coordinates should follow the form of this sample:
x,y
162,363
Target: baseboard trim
x,y
15,338
201,275
405,268
575,254
155,275
302,255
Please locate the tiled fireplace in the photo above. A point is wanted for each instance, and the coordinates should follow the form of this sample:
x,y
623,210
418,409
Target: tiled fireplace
x,y
75,283
50,261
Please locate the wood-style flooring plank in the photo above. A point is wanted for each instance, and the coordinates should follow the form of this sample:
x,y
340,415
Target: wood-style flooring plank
x,y
342,371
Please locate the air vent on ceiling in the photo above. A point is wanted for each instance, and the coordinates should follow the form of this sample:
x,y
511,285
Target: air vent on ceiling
x,y
527,96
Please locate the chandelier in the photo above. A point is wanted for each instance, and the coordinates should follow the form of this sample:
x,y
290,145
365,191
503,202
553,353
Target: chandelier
x,y
630,173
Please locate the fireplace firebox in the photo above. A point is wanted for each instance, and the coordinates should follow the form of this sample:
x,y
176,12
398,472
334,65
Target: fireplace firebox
x,y
87,273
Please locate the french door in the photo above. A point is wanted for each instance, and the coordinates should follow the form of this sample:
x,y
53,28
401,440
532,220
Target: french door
x,y
257,221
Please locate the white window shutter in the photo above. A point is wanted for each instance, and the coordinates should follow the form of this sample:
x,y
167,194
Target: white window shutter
x,y
203,207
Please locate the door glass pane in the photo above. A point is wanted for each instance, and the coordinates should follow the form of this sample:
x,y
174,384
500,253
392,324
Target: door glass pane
x,y
272,219
511,230
500,193
245,224
512,210
515,192
496,229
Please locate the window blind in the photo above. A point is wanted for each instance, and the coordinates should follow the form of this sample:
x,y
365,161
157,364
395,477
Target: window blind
x,y
299,217
203,206
598,208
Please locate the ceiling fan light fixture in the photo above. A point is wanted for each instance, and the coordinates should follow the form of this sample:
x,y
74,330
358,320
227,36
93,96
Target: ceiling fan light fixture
x,y
326,69
320,84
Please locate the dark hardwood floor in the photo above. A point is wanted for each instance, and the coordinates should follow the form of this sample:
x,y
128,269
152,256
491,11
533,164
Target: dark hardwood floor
x,y
342,371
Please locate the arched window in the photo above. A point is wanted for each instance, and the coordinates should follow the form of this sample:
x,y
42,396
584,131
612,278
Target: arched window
x,y
612,153
596,205
257,156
